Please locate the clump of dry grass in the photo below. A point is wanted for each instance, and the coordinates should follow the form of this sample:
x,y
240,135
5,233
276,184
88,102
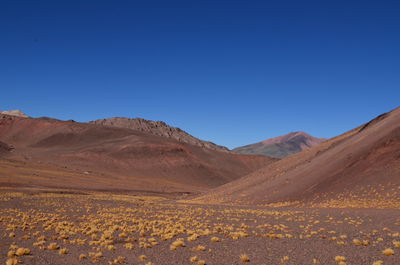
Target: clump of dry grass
x,y
194,259
111,247
22,251
201,262
122,235
53,246
82,256
177,243
119,260
244,258
341,260
378,262
63,251
388,252
200,248
396,244
12,261
215,239
128,246
142,257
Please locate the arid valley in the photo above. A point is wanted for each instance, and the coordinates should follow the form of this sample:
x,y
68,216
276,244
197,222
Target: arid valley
x,y
132,191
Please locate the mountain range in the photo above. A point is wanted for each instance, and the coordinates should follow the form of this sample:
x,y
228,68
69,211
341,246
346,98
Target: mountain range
x,y
137,155
117,154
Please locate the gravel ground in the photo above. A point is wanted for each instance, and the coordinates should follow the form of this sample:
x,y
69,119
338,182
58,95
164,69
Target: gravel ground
x,y
122,228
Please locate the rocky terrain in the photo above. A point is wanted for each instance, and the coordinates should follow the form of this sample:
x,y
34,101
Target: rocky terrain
x,y
17,113
281,146
5,148
158,128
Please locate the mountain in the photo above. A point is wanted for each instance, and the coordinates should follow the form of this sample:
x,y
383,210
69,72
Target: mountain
x,y
54,153
17,113
158,128
361,164
281,146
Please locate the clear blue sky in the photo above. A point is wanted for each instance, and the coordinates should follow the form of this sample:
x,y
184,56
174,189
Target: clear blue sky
x,y
233,72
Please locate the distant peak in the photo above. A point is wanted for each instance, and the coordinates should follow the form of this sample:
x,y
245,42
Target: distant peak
x,y
282,145
17,113
287,137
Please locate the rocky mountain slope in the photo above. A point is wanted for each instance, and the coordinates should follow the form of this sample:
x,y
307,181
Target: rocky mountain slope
x,y
158,128
362,163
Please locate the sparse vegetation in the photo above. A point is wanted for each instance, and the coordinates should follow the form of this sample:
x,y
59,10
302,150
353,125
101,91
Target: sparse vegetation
x,y
136,224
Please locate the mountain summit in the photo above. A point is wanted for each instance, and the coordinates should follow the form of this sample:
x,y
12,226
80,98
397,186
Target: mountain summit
x,y
281,146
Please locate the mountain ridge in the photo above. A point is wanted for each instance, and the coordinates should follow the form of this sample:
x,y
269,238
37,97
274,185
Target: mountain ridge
x,y
158,128
116,158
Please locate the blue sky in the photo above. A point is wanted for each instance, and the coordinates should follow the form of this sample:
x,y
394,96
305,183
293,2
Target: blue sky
x,y
233,72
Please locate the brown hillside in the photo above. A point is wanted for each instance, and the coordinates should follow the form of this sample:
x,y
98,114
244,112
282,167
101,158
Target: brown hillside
x,y
357,163
91,156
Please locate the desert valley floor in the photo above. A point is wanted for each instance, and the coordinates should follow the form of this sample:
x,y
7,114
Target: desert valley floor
x,y
68,227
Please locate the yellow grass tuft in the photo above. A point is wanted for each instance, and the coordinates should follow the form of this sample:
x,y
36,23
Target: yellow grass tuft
x,y
142,257
119,260
244,258
396,244
201,262
194,259
82,256
215,239
340,258
12,261
200,248
111,247
53,246
128,246
388,252
378,262
178,243
63,251
122,235
22,251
